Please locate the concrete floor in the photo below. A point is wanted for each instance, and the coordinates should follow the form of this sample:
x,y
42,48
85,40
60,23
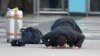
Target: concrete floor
x,y
89,48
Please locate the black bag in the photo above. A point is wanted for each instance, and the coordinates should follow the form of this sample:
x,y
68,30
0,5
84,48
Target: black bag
x,y
17,43
31,35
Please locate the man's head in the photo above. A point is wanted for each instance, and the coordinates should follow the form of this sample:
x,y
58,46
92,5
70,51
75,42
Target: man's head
x,y
61,40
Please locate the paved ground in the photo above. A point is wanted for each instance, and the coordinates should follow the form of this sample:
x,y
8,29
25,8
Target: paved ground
x,y
90,48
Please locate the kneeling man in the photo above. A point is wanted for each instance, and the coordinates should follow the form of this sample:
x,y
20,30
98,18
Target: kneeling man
x,y
64,30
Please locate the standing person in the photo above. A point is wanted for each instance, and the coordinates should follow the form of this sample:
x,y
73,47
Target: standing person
x,y
4,5
64,30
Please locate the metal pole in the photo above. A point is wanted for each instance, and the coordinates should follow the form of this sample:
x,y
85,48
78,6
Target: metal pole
x,y
34,7
87,7
38,7
68,9
63,4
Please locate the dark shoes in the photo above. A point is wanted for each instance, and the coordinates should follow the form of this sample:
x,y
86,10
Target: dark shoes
x,y
3,15
17,43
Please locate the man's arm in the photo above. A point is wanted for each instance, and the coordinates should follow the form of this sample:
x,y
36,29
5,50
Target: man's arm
x,y
79,41
45,39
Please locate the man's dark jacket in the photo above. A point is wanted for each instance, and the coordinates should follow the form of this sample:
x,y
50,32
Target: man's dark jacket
x,y
66,27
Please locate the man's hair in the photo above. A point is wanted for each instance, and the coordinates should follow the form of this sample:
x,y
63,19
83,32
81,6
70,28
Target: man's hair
x,y
61,40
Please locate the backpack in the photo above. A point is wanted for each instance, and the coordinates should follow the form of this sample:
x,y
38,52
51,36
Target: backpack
x,y
31,35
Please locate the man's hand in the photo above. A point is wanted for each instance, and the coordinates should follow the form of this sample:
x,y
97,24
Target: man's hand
x,y
75,48
51,47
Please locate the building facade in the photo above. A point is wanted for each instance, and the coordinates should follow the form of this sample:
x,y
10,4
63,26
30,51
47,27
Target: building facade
x,y
69,7
25,5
